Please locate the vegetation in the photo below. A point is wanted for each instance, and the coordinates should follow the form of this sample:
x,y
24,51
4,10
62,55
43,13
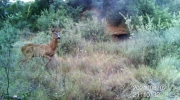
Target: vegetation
x,y
88,65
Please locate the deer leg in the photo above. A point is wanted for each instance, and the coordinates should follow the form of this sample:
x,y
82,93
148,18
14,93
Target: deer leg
x,y
22,60
49,60
47,64
27,57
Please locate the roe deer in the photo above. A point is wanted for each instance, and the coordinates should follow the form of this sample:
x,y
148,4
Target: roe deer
x,y
42,50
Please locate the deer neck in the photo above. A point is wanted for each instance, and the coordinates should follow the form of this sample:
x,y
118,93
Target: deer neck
x,y
54,43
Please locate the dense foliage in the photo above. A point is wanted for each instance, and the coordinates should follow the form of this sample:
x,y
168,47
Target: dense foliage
x,y
25,14
88,64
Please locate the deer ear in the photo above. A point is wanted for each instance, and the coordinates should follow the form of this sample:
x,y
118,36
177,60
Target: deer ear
x,y
52,28
60,28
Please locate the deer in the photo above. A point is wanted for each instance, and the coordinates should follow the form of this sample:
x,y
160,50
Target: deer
x,y
42,50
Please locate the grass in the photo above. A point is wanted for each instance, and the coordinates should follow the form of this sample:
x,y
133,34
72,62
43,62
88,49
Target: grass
x,y
97,74
101,70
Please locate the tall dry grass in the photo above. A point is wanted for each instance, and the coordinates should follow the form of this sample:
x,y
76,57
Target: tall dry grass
x,y
100,70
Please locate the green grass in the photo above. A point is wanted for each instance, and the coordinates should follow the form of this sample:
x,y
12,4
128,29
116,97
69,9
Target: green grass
x,y
98,69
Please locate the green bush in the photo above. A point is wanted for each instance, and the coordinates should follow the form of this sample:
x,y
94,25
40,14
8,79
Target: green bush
x,y
75,34
17,14
48,17
169,74
153,48
87,15
18,20
85,4
175,22
173,5
146,7
153,42
149,9
9,35
153,45
92,30
70,40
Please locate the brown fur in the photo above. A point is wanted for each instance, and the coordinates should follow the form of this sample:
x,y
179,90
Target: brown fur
x,y
41,50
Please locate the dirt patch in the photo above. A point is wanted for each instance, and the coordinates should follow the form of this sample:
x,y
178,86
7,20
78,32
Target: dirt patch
x,y
109,29
116,30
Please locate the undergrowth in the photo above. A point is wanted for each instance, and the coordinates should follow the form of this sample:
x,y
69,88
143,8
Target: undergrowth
x,y
88,65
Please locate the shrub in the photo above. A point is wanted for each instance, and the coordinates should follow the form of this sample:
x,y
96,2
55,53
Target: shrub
x,y
85,4
114,7
9,35
17,14
168,72
18,20
175,19
153,44
75,34
171,4
70,40
162,17
48,17
87,15
92,30
149,9
145,7
71,10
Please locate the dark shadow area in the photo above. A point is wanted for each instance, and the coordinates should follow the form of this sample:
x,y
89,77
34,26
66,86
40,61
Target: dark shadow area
x,y
120,37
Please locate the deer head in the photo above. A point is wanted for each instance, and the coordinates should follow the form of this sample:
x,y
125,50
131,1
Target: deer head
x,y
56,32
